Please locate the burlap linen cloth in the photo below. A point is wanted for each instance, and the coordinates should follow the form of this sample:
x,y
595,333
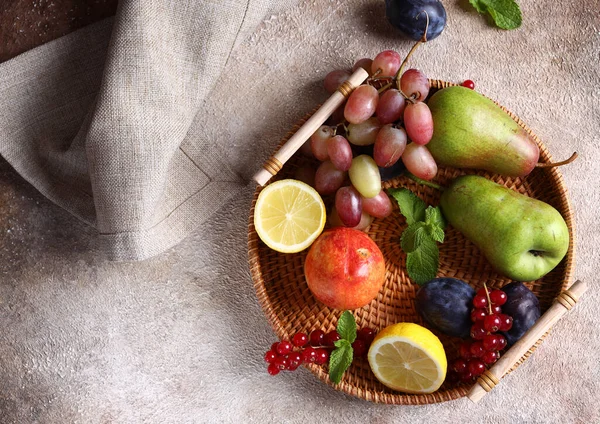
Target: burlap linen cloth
x,y
99,121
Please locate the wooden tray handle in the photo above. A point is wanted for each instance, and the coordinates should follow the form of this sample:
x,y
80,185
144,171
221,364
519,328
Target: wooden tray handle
x,y
563,303
274,164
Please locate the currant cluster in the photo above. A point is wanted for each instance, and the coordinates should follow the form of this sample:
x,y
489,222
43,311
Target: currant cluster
x,y
384,125
484,348
314,348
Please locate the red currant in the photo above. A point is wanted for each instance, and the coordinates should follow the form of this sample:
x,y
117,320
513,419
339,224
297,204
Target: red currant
x,y
478,314
360,348
506,322
309,355
330,338
272,369
280,362
476,367
491,342
274,346
294,360
480,301
498,297
459,365
316,338
496,309
501,342
465,350
492,323
284,347
366,334
477,331
270,356
477,349
469,84
300,339
322,356
466,377
490,357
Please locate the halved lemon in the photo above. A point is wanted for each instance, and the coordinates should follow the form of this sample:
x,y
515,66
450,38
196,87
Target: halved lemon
x,y
409,358
289,215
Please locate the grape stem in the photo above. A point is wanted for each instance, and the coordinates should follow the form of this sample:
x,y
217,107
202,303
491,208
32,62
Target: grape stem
x,y
551,165
414,47
424,182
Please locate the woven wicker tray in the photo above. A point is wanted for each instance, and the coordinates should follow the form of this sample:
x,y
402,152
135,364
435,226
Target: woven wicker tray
x,y
290,307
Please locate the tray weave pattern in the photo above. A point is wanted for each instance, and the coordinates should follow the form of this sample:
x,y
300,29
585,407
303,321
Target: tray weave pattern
x,y
290,307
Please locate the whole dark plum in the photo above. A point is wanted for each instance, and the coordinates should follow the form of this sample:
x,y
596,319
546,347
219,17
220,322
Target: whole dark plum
x,y
408,17
393,171
524,308
445,304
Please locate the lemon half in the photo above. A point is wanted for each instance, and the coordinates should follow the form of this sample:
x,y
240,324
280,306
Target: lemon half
x,y
289,215
409,358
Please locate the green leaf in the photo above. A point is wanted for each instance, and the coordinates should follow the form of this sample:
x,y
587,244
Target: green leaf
x,y
435,223
346,326
411,206
339,360
422,264
505,13
412,236
478,5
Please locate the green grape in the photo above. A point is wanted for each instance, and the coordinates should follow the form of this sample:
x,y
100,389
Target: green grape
x,y
364,175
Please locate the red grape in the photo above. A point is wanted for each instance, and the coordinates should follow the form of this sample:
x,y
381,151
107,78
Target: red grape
x,y
414,84
390,106
418,123
348,204
389,145
365,133
334,220
328,178
388,61
364,63
318,142
339,152
379,206
334,79
361,104
419,162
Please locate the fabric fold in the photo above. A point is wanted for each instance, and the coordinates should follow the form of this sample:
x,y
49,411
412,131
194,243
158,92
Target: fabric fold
x,y
98,120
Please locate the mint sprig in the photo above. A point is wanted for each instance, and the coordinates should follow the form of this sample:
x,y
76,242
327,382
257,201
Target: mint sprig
x,y
425,227
505,13
343,354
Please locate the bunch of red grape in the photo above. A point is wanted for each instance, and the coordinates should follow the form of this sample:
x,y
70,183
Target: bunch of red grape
x,y
384,124
315,348
484,348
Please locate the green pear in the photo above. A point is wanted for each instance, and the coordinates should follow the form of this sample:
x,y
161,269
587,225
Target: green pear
x,y
522,238
471,131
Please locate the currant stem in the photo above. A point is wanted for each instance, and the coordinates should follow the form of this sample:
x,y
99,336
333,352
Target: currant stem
x,y
424,182
487,294
553,164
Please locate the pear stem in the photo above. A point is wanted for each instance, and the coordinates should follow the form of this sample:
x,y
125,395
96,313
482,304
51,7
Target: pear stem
x,y
553,164
424,182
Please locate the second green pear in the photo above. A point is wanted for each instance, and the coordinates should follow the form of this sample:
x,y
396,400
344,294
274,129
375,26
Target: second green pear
x,y
471,131
523,238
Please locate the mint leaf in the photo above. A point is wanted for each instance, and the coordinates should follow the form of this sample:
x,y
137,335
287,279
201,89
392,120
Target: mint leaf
x,y
340,360
412,236
435,223
422,264
505,13
346,326
478,5
411,206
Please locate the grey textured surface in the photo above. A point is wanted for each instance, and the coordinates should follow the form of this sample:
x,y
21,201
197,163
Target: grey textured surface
x,y
179,338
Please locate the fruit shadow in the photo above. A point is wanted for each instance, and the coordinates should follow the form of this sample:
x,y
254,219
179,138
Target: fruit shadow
x,y
374,22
